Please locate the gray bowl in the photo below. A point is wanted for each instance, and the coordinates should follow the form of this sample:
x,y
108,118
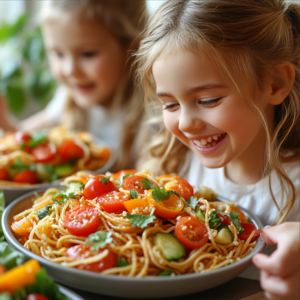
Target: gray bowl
x,y
149,287
69,294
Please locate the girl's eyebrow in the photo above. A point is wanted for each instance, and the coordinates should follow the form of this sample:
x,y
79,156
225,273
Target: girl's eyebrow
x,y
199,88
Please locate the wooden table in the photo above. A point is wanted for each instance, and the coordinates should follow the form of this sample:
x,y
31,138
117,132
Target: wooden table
x,y
237,288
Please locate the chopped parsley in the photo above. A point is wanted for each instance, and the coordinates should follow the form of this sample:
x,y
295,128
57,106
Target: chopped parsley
x,y
147,184
141,221
161,194
234,217
122,262
37,138
214,220
98,240
123,177
133,194
64,196
192,202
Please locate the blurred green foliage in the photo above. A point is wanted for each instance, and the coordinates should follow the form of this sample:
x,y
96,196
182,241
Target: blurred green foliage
x,y
24,72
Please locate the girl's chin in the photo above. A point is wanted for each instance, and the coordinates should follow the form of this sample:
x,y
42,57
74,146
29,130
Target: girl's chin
x,y
211,163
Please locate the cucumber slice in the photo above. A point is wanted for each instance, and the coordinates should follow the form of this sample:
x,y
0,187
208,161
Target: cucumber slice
x,y
75,186
43,172
169,245
200,215
224,236
63,171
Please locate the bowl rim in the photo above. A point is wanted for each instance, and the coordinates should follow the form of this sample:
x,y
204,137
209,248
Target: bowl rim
x,y
68,293
11,239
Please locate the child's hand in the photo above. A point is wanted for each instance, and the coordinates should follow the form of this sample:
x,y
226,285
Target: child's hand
x,y
5,124
279,275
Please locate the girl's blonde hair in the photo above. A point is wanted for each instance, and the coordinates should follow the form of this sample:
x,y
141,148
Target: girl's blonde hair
x,y
245,40
125,20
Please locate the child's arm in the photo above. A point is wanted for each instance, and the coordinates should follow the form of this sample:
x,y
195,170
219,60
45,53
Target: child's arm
x,y
279,275
5,123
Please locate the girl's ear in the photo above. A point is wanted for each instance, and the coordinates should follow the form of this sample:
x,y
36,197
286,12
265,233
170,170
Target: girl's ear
x,y
280,89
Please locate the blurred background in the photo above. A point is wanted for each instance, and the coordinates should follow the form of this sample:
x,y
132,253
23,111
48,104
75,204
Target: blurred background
x,y
25,79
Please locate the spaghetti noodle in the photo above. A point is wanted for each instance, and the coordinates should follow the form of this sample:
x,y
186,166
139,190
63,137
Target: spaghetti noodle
x,y
136,245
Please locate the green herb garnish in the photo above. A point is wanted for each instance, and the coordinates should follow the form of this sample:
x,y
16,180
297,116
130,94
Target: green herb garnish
x,y
133,194
98,240
141,221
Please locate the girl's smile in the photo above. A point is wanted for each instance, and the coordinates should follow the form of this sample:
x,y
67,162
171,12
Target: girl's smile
x,y
206,114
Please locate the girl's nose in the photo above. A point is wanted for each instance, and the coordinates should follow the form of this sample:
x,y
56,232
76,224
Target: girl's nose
x,y
190,121
70,67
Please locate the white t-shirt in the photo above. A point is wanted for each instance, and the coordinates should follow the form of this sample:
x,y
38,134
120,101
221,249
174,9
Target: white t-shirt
x,y
102,123
256,197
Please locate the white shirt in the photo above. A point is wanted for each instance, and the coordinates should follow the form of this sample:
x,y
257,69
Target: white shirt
x,y
256,197
102,123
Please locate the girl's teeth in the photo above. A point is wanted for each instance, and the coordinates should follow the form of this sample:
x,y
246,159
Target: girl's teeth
x,y
203,142
215,137
209,139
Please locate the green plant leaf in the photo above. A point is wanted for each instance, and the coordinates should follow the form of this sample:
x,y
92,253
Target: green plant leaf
x,y
141,221
98,240
16,98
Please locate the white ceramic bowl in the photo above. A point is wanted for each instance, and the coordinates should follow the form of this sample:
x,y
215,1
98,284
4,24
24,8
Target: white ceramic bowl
x,y
148,287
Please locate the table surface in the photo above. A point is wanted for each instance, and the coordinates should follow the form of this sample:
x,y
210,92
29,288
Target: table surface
x,y
237,288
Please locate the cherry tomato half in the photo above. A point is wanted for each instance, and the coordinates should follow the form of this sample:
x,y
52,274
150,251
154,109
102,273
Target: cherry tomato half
x,y
169,208
96,187
122,173
191,232
224,219
182,187
36,297
70,150
113,202
82,220
83,251
44,152
4,174
134,183
26,177
248,228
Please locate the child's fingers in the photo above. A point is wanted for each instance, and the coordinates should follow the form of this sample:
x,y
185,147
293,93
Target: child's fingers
x,y
277,287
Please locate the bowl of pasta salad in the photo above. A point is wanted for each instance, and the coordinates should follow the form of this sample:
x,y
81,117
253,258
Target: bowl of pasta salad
x,y
152,237
37,160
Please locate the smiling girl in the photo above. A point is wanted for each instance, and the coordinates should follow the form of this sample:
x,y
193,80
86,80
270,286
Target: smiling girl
x,y
223,77
89,44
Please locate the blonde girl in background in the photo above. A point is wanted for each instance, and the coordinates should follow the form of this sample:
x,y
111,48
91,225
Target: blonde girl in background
x,y
221,80
89,45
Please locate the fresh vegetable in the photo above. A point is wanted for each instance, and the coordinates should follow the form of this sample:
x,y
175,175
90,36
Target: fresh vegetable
x,y
141,221
122,173
82,220
63,171
22,227
20,276
169,208
242,217
36,297
44,152
70,150
223,217
224,236
248,229
98,240
200,215
113,202
182,187
137,183
83,251
27,176
169,245
75,186
139,204
214,220
191,232
97,186
44,212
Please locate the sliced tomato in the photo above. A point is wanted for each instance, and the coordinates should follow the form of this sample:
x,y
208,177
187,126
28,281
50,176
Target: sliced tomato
x,y
133,204
134,183
122,173
22,227
4,175
36,297
83,251
27,176
191,232
113,202
182,187
224,219
248,228
242,217
70,150
169,208
98,186
44,152
82,220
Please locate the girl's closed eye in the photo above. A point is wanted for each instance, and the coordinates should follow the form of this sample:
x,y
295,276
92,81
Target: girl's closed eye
x,y
89,54
170,106
210,103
